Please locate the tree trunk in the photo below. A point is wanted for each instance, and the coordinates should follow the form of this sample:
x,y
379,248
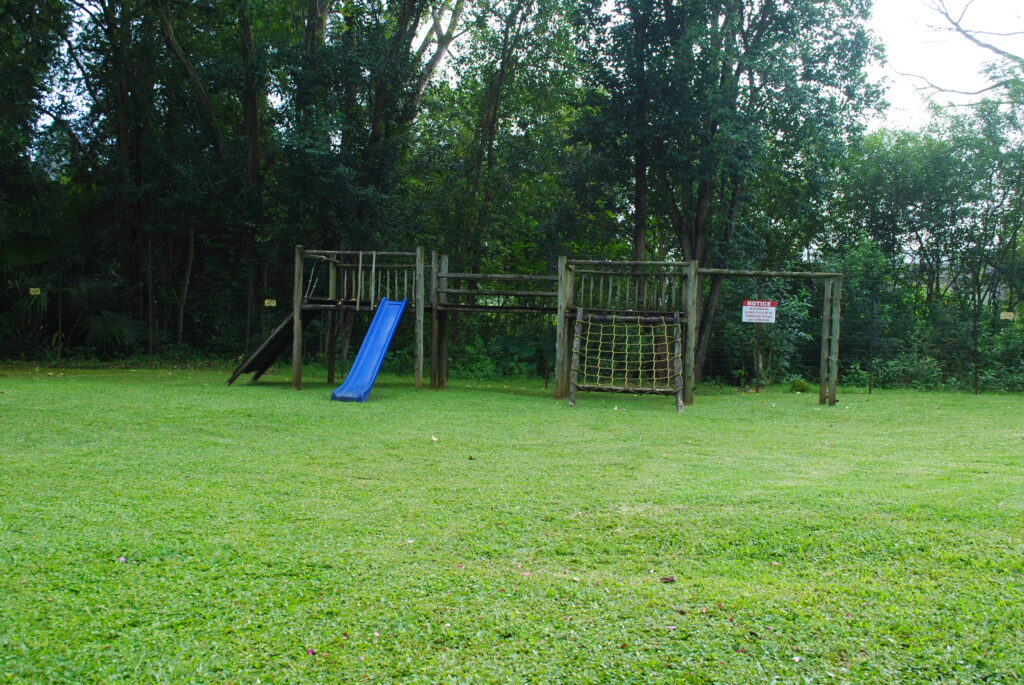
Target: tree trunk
x,y
150,300
639,204
205,107
185,280
707,319
252,95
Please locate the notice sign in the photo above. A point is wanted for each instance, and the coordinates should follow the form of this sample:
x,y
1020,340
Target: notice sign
x,y
759,311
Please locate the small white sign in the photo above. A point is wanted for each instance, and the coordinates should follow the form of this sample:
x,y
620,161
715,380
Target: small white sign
x,y
269,303
35,291
759,311
1008,316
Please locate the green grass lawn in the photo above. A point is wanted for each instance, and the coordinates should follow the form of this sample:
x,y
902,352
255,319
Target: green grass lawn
x,y
158,526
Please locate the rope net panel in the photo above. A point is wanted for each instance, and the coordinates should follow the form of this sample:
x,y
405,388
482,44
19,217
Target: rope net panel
x,y
628,354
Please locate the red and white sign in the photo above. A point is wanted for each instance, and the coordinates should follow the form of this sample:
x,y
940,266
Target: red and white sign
x,y
759,311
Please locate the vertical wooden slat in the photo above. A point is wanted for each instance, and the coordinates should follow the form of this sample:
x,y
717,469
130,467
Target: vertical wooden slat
x,y
359,282
297,321
373,281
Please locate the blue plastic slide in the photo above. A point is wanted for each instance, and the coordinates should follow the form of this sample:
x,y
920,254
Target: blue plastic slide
x,y
363,373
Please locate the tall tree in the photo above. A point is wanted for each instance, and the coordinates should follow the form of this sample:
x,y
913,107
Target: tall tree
x,y
31,32
708,99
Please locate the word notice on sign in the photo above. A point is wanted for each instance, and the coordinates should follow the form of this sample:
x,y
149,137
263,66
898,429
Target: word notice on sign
x,y
759,311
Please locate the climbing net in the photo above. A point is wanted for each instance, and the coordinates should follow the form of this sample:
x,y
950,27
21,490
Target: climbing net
x,y
629,354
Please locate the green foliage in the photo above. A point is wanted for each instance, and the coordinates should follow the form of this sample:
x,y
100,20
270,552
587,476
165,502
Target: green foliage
x,y
471,357
927,230
526,356
111,330
877,313
783,346
910,370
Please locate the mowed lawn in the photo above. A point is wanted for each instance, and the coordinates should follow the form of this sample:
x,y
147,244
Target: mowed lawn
x,y
157,526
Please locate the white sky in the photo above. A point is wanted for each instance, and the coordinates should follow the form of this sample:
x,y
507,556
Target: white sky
x,y
914,46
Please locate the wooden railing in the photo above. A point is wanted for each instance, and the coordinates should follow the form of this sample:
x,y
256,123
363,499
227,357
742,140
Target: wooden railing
x,y
361,279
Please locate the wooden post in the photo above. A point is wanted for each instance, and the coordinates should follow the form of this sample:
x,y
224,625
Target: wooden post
x,y
677,364
826,330
442,350
433,320
420,306
574,362
297,321
561,330
332,323
833,352
690,373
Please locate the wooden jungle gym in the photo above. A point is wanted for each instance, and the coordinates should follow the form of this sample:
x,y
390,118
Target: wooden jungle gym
x,y
649,308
